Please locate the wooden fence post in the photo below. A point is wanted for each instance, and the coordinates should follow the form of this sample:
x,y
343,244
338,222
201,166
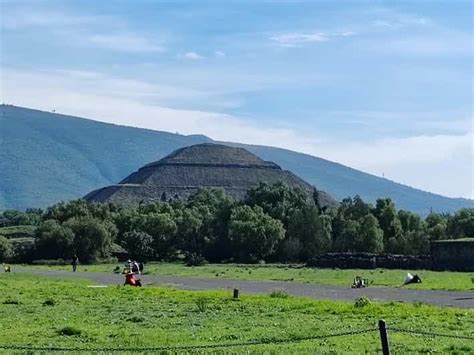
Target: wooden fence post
x,y
236,293
384,337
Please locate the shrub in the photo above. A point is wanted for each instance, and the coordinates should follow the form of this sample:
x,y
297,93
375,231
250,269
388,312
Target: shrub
x,y
22,250
139,245
202,303
253,234
136,319
49,302
5,248
11,301
69,331
194,259
279,294
54,262
362,302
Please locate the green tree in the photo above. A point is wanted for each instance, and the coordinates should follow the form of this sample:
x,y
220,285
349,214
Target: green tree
x,y
279,200
64,211
53,241
414,232
308,228
80,208
253,233
139,245
370,236
354,208
5,248
386,214
92,238
189,223
162,227
461,225
436,226
31,217
346,239
213,208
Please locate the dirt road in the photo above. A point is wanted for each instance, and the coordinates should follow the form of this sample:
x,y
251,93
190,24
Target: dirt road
x,y
464,299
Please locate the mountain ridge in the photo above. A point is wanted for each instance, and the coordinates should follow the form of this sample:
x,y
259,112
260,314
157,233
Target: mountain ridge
x,y
47,157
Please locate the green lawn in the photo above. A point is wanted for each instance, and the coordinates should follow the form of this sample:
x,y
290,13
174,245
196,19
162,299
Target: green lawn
x,y
41,311
432,280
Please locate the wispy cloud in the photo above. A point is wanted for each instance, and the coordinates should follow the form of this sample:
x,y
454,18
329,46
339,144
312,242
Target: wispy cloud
x,y
192,56
65,89
30,17
426,162
125,42
219,54
408,160
414,35
407,123
392,21
443,42
100,31
298,39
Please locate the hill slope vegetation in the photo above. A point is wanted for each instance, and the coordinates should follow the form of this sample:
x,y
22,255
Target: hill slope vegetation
x,y
47,157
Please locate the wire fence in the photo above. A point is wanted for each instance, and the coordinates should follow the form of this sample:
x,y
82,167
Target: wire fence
x,y
225,345
431,334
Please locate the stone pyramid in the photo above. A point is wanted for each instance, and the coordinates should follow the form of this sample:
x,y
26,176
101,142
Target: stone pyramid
x,y
184,171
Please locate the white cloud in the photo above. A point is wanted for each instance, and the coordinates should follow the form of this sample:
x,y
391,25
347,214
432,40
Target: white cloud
x,y
219,54
124,106
125,42
403,123
398,21
192,56
298,39
446,43
442,163
102,31
416,35
26,17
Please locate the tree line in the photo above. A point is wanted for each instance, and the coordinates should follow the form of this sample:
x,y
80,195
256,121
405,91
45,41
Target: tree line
x,y
275,223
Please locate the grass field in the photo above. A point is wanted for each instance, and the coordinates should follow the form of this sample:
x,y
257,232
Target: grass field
x,y
432,280
45,312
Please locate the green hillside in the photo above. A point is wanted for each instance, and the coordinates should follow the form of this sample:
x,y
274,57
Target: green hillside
x,y
47,157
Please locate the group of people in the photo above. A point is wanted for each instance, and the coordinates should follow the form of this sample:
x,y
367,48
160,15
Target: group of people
x,y
131,269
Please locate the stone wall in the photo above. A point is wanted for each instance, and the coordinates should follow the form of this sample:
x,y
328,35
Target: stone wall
x,y
371,261
455,255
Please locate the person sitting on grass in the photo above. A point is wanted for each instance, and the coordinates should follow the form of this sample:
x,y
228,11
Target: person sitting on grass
x,y
135,267
128,267
131,280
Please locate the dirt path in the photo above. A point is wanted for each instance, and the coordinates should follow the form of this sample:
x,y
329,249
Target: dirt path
x,y
459,299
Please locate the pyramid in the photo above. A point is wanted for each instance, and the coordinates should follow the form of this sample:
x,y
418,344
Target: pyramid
x,y
188,169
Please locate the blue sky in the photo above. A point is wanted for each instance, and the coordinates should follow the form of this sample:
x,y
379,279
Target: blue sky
x,y
381,86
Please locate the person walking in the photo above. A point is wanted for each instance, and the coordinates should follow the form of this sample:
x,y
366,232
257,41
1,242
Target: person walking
x,y
75,261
